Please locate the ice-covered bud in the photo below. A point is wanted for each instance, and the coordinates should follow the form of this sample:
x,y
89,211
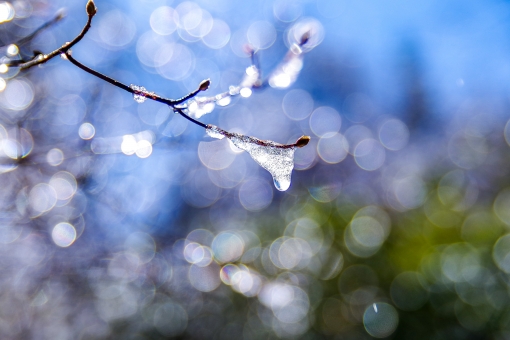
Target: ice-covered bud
x,y
204,85
91,8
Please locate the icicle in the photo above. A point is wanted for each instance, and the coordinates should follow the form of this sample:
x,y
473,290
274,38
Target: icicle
x,y
140,94
271,156
276,158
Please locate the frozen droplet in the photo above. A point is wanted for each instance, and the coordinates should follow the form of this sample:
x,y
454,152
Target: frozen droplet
x,y
140,92
287,72
246,92
214,132
275,158
251,77
201,106
223,100
234,90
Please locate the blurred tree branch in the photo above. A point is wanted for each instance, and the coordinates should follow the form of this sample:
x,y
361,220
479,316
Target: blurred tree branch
x,y
42,58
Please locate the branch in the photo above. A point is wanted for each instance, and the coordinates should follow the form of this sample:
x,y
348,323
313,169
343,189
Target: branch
x,y
284,75
59,16
217,132
251,80
42,58
204,85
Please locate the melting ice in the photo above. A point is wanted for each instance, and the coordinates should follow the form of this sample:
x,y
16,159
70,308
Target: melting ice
x,y
276,158
139,98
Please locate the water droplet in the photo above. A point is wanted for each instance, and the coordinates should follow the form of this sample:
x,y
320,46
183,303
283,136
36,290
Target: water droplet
x,y
139,96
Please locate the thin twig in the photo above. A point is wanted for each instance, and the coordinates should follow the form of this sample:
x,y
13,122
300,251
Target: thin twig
x,y
42,58
60,15
170,102
179,111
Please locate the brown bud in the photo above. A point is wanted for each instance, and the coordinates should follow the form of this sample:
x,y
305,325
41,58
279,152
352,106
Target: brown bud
x,y
204,85
91,8
302,141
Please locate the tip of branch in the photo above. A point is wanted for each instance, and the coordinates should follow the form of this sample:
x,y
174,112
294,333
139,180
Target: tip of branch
x,y
204,85
61,14
248,49
91,8
304,38
302,141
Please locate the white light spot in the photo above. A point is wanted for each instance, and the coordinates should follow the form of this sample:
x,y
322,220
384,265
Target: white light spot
x,y
6,12
63,234
143,148
129,145
87,131
245,92
380,321
12,50
55,157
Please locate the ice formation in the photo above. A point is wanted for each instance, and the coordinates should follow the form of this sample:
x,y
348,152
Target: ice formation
x,y
276,158
137,96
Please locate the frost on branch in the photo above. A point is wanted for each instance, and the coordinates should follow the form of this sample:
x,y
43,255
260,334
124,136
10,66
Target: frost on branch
x,y
303,37
200,106
140,93
276,158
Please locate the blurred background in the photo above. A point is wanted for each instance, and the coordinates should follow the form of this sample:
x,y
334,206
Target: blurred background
x,y
122,220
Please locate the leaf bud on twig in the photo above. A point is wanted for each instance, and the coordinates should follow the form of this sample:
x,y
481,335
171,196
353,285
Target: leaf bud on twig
x,y
204,85
302,141
91,8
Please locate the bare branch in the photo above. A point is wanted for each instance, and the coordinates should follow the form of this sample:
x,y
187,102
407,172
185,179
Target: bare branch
x,y
150,95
